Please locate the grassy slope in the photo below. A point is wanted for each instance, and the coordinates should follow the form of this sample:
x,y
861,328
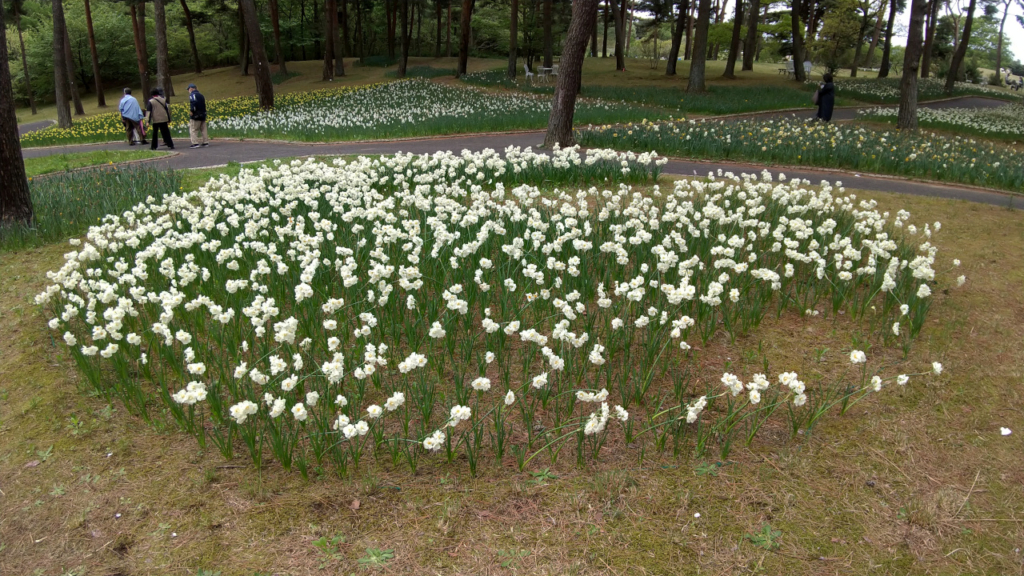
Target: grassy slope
x,y
64,162
876,489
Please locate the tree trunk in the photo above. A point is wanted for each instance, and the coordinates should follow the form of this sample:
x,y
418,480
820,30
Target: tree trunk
x,y
328,69
999,46
140,56
144,44
346,38
24,61
563,106
604,42
750,44
275,24
677,38
69,66
687,52
548,42
958,55
264,86
513,41
907,116
734,45
360,39
339,46
101,100
15,200
593,41
390,25
931,18
620,44
163,71
864,23
798,42
192,37
879,19
245,50
437,41
448,34
957,58
403,60
700,48
883,68
629,31
465,22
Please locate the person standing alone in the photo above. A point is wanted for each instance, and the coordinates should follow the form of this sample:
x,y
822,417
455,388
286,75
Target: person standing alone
x,y
131,115
197,114
826,98
159,117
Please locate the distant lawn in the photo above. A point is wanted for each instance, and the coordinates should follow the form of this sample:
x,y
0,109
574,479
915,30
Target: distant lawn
x,y
64,162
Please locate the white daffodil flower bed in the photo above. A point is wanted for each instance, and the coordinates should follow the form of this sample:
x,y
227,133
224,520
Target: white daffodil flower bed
x,y
888,89
404,108
442,306
1005,120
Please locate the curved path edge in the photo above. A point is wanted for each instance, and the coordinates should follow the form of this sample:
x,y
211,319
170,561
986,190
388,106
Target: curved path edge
x,y
223,152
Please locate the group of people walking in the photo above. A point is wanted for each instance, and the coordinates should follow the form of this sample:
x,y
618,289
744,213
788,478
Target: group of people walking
x,y
158,116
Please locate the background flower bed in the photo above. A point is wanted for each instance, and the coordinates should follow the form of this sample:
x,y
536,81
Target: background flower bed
x,y
799,142
406,108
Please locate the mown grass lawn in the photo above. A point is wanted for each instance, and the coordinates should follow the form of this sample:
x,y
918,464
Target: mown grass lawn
x,y
912,481
65,162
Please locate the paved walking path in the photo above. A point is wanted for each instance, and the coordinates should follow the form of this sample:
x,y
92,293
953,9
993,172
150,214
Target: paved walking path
x,y
222,152
33,126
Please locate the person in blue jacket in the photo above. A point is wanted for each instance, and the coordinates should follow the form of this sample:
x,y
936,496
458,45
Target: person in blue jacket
x,y
826,98
131,116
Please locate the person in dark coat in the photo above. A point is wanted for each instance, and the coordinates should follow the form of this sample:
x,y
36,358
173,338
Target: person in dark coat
x,y
826,98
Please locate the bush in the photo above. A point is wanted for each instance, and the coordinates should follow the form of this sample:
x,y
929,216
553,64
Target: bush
x,y
994,79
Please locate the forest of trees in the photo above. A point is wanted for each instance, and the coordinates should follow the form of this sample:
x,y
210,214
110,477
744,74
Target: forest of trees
x,y
209,33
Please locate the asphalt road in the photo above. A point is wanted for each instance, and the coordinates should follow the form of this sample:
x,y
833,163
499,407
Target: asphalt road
x,y
221,152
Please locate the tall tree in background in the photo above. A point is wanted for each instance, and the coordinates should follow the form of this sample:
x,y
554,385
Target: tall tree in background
x,y
887,48
798,40
141,55
15,200
191,37
956,62
513,40
677,37
548,40
264,86
931,22
69,66
329,24
163,70
734,44
563,106
465,21
339,46
16,8
999,48
866,16
101,101
403,59
618,15
879,21
275,23
699,55
62,88
907,115
750,44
